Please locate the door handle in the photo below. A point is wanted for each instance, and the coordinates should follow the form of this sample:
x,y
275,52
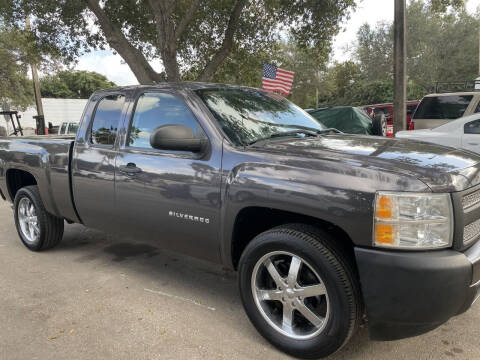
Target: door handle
x,y
472,143
130,168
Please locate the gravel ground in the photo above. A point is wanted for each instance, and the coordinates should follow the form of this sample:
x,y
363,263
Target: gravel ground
x,y
100,297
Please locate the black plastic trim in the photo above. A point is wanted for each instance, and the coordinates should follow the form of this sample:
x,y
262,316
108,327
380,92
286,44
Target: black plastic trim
x,y
407,294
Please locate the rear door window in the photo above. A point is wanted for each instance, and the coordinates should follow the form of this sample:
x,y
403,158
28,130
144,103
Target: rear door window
x,y
105,120
442,107
473,127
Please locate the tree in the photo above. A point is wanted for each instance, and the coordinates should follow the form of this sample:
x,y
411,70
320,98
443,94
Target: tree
x,y
442,45
344,84
190,36
73,84
296,57
15,87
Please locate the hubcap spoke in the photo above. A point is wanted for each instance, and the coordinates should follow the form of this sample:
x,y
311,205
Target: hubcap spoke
x,y
287,319
313,290
269,294
272,270
293,271
317,321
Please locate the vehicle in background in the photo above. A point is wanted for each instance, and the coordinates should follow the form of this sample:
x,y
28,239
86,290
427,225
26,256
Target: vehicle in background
x,y
350,120
387,110
439,108
460,133
68,128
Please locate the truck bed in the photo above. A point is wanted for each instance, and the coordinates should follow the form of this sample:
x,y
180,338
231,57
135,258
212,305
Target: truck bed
x,y
47,158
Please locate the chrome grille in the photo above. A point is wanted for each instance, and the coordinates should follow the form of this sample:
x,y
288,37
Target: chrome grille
x,y
471,232
471,199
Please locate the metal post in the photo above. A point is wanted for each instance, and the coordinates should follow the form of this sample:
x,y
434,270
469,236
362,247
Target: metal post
x,y
36,89
399,67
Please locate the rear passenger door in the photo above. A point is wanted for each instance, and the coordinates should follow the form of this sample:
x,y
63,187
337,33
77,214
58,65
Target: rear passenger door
x,y
93,167
171,198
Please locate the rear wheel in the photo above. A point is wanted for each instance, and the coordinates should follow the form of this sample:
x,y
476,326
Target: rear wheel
x,y
299,291
37,229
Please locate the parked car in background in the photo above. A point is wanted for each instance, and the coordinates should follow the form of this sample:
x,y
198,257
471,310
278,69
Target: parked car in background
x,y
387,110
460,133
68,128
437,109
350,120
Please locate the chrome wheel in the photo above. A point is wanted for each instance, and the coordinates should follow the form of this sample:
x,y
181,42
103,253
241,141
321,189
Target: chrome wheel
x,y
27,218
384,128
290,295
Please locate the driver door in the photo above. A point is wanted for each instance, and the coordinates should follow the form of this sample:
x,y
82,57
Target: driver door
x,y
171,198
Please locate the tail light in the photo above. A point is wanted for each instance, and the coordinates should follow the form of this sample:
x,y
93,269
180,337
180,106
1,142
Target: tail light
x,y
389,130
411,126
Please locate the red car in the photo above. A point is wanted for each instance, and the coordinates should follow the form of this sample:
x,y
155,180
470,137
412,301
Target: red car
x,y
387,109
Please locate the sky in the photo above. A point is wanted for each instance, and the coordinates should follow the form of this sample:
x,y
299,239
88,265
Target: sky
x,y
371,11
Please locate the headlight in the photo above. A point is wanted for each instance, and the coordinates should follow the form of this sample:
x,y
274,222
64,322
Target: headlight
x,y
413,221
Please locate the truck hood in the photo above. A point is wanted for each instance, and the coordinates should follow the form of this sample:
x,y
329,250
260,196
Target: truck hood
x,y
441,168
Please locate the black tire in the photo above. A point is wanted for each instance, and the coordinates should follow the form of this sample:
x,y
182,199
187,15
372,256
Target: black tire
x,y
379,125
51,227
337,271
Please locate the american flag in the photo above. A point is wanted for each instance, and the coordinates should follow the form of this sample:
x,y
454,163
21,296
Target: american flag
x,y
276,79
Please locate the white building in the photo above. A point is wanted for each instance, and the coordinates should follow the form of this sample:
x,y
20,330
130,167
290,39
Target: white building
x,y
56,111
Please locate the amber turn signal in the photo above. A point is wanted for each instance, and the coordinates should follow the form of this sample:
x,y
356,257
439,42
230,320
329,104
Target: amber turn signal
x,y
384,234
384,207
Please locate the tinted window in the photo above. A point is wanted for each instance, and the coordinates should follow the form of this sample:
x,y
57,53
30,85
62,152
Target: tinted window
x,y
158,109
411,109
247,115
63,128
106,118
473,127
442,107
380,111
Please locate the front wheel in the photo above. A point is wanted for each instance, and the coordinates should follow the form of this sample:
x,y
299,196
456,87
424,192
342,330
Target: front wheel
x,y
37,229
299,291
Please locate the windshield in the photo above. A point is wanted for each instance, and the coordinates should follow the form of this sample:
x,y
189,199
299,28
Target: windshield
x,y
248,115
442,107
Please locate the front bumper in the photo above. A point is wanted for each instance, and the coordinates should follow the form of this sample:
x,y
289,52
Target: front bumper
x,y
409,293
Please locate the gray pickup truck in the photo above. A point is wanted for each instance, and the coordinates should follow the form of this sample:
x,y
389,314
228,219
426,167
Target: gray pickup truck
x,y
322,227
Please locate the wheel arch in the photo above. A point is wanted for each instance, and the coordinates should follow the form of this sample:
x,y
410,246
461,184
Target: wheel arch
x,y
253,220
17,179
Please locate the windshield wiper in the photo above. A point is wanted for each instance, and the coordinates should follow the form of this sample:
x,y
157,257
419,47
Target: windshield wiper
x,y
330,130
288,133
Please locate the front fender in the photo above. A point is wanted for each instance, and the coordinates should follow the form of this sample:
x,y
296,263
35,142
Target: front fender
x,y
334,192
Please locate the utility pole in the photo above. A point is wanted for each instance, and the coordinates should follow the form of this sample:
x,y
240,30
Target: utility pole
x,y
40,118
399,67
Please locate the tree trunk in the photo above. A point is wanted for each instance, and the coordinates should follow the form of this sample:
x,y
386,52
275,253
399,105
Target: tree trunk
x,y
166,37
132,56
227,43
